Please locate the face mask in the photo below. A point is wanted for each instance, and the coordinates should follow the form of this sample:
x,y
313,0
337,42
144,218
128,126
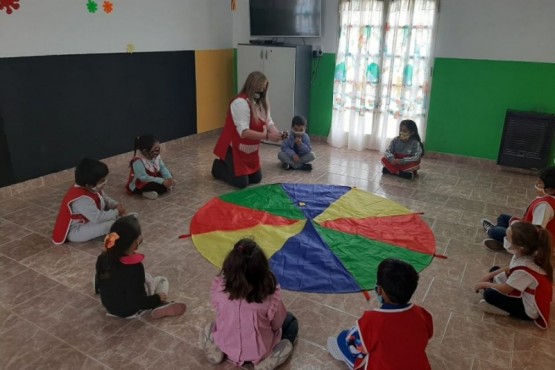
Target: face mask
x,y
298,133
98,188
508,246
380,298
539,191
259,95
404,136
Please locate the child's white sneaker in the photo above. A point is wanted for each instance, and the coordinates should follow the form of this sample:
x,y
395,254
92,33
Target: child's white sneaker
x,y
334,349
280,354
150,195
489,308
211,350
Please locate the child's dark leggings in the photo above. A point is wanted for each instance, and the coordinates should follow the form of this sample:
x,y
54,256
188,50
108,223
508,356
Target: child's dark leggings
x,y
151,186
290,328
514,306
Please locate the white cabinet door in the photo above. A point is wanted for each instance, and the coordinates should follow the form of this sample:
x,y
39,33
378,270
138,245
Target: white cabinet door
x,y
249,59
278,64
279,68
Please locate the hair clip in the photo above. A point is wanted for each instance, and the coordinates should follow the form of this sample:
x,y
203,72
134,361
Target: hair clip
x,y
110,240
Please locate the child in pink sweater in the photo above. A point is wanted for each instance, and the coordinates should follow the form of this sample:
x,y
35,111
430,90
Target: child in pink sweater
x,y
252,324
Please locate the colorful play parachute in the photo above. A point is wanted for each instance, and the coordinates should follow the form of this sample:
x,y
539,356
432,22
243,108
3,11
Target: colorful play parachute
x,y
319,238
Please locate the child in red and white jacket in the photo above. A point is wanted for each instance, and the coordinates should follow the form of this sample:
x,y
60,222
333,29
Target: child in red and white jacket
x,y
86,212
523,289
394,336
540,212
148,175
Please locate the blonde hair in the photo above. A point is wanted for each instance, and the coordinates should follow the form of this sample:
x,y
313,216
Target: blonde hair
x,y
257,81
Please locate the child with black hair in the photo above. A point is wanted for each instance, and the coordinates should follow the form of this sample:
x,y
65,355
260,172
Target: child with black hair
x,y
125,289
540,212
86,212
524,288
402,157
296,151
252,323
149,175
393,336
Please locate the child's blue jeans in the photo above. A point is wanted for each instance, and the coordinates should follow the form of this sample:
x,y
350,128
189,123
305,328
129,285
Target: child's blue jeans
x,y
499,231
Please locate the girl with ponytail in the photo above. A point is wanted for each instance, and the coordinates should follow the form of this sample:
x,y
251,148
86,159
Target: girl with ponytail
x,y
148,176
125,289
523,289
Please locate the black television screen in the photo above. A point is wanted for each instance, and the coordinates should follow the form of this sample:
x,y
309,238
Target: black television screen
x,y
285,18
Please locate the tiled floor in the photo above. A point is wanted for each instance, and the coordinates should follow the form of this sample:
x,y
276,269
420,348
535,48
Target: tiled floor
x,y
50,319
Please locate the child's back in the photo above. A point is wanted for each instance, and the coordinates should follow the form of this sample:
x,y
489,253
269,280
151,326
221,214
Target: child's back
x,y
396,338
260,328
252,324
125,289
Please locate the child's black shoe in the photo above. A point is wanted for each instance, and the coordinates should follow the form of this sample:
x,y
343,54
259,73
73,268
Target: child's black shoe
x,y
406,175
306,167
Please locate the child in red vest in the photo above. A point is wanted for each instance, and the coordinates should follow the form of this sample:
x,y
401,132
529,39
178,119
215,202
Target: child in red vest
x,y
523,289
86,212
394,336
540,212
402,157
149,175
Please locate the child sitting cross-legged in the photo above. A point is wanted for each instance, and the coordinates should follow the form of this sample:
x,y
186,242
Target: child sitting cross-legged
x,y
252,323
394,336
296,150
541,211
125,289
524,288
87,212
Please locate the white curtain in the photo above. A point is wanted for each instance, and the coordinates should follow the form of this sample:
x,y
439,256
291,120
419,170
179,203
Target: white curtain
x,y
382,70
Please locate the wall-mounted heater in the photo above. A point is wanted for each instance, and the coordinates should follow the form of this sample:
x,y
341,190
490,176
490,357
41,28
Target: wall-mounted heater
x,y
527,140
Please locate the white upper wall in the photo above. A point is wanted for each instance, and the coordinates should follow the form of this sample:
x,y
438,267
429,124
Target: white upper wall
x,y
41,27
519,30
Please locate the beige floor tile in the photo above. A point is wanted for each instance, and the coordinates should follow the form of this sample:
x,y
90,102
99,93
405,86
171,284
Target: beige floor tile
x,y
50,317
488,342
26,246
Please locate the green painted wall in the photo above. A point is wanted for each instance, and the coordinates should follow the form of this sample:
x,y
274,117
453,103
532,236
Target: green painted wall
x,y
470,97
321,95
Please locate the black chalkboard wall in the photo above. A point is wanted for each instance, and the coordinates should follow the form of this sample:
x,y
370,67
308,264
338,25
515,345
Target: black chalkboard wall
x,y
58,109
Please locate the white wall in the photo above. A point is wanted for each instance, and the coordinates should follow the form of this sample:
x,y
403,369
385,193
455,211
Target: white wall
x,y
518,30
330,19
41,27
